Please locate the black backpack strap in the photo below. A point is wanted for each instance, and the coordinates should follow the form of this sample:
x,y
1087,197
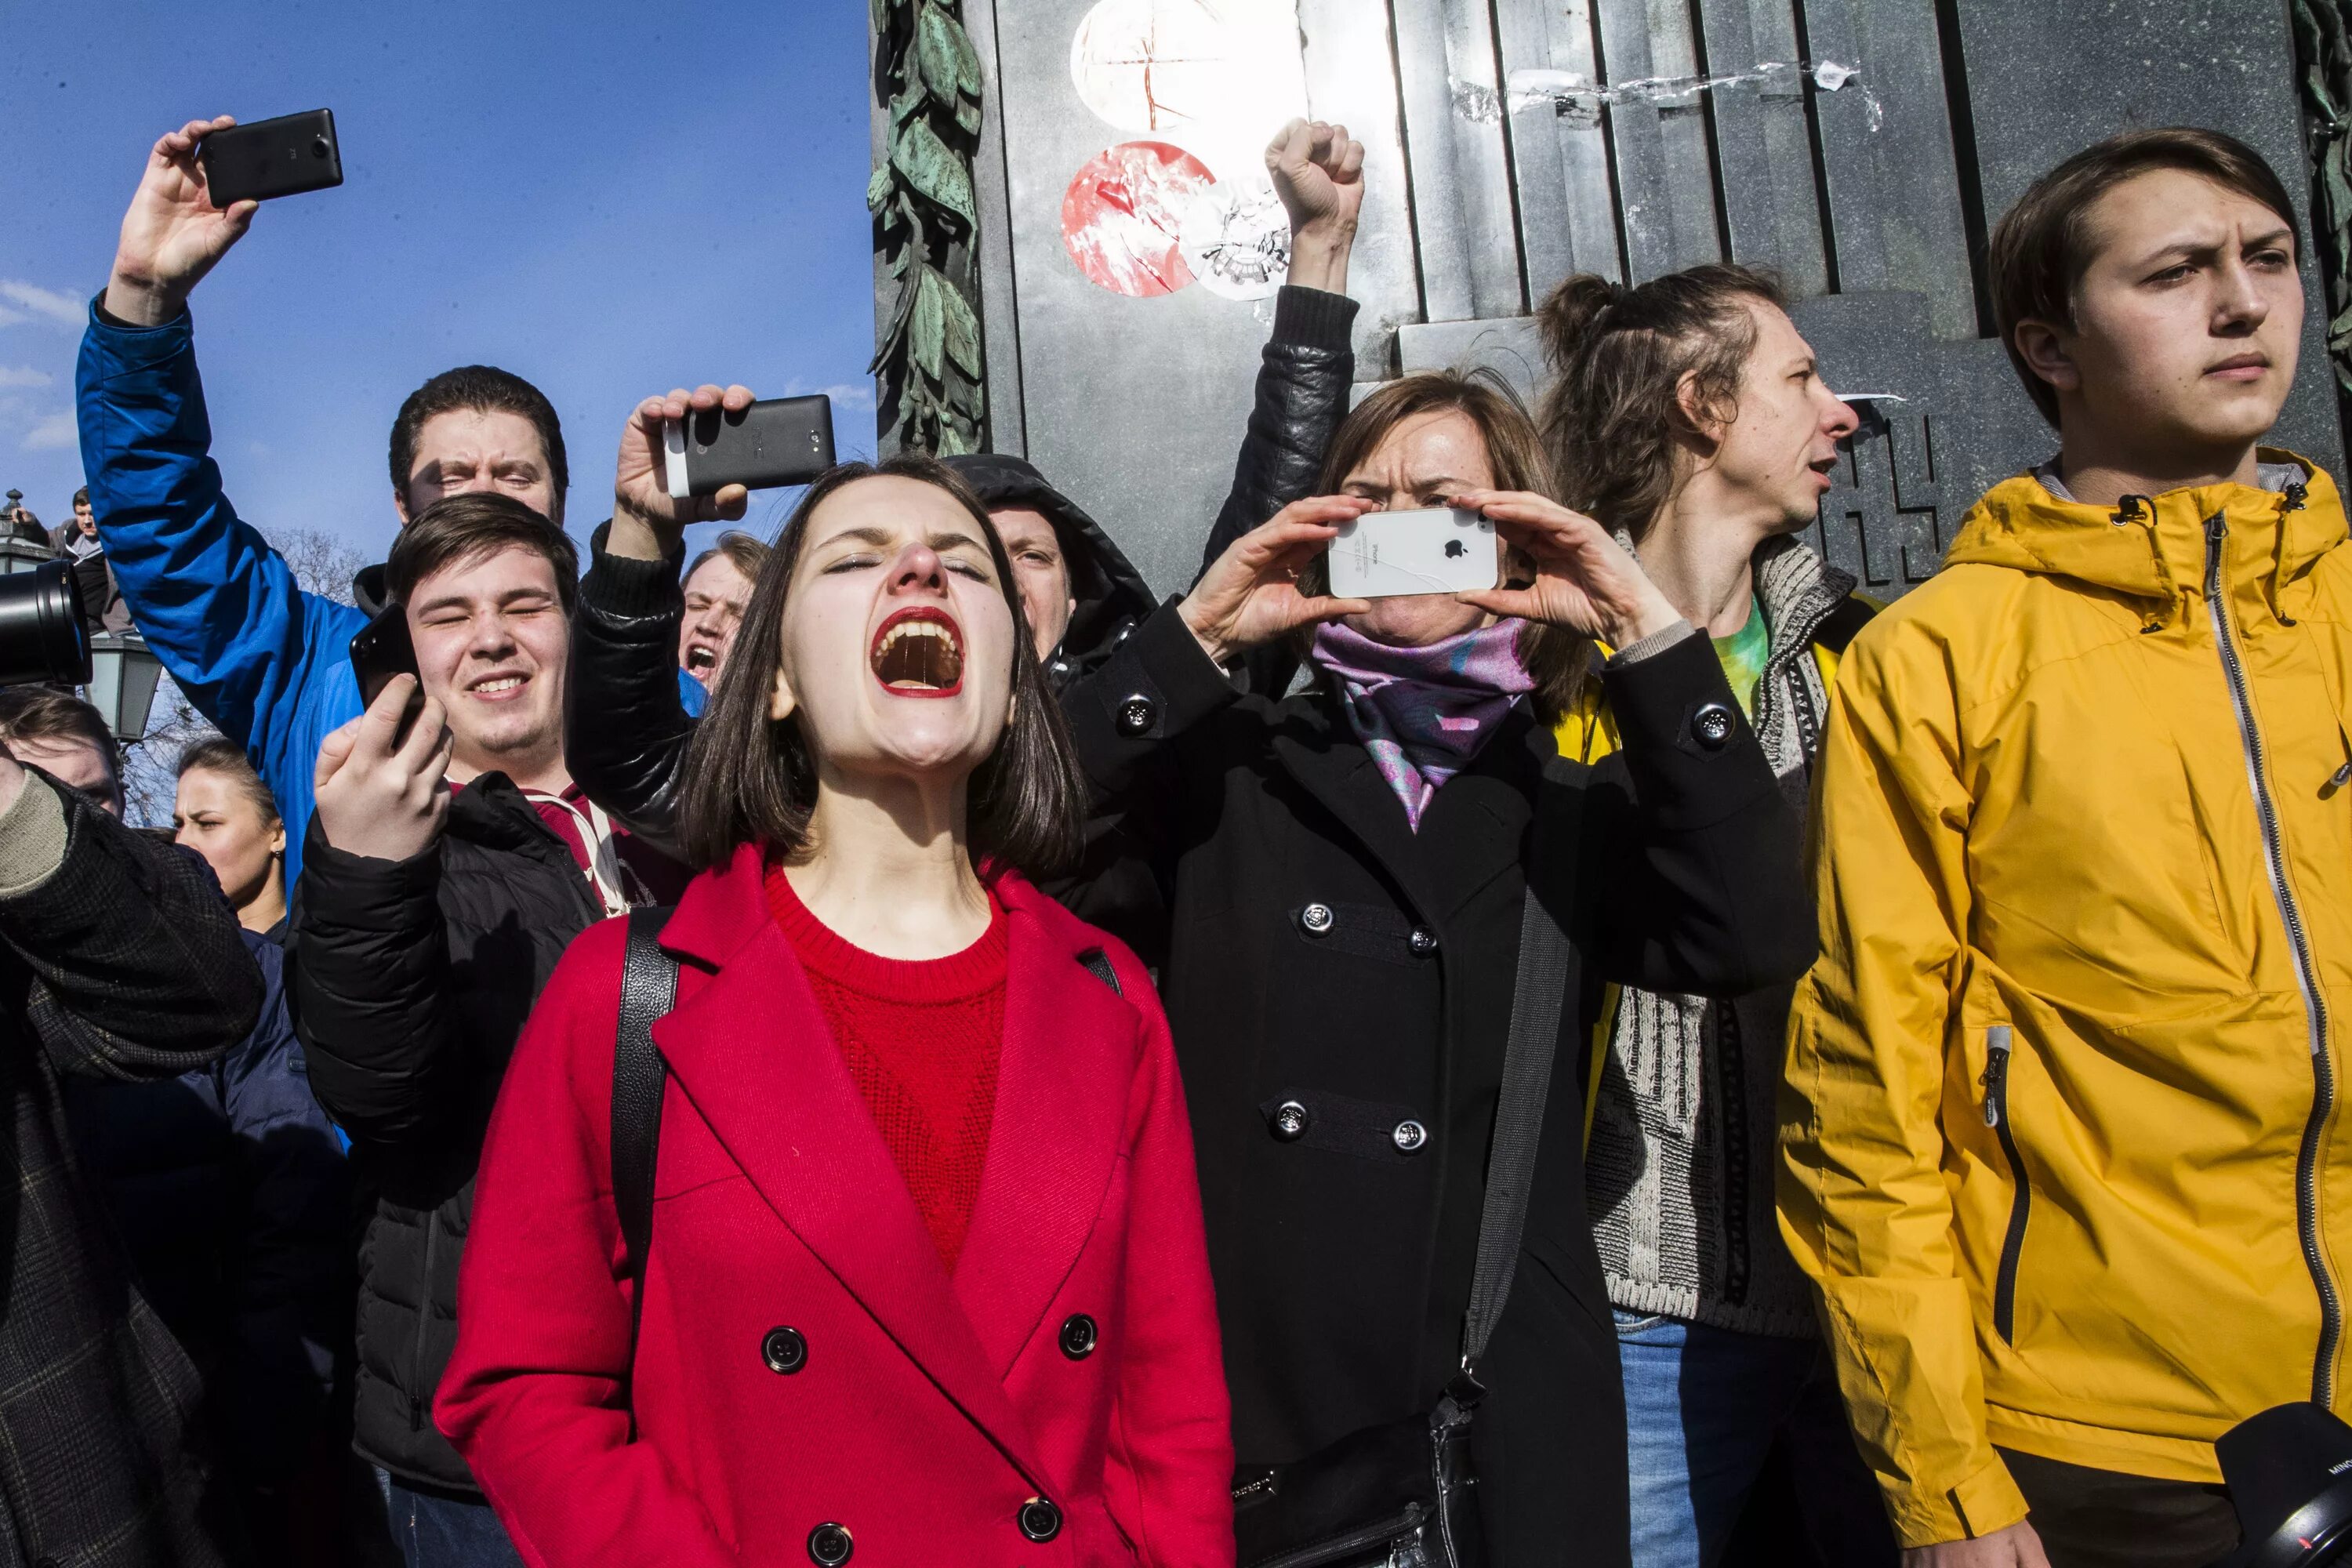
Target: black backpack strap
x,y
1839,627
1097,964
649,989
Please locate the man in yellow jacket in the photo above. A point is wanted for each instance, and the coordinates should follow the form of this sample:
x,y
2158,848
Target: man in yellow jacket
x,y
2061,1149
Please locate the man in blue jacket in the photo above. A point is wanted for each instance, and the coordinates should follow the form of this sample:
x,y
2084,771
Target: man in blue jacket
x,y
264,661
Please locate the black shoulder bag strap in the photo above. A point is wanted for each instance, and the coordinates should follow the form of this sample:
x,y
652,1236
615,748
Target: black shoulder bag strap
x,y
649,989
1547,979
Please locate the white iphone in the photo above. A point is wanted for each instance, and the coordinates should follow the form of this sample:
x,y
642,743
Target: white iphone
x,y
1435,550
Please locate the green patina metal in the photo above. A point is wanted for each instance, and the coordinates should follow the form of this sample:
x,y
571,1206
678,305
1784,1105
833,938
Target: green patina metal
x,y
2323,38
934,391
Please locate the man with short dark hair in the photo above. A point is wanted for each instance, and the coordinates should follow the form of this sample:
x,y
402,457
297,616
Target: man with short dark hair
x,y
2060,1150
449,864
264,661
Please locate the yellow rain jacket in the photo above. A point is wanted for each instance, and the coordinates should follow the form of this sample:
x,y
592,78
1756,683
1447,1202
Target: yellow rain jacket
x,y
2059,1134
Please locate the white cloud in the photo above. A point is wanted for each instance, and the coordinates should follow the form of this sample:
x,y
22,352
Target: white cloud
x,y
51,432
10,376
851,393
33,299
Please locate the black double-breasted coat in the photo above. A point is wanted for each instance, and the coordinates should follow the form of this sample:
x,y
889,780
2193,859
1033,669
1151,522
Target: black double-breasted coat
x,y
1339,988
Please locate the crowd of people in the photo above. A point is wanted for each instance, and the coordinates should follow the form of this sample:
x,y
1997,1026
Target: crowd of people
x,y
895,1043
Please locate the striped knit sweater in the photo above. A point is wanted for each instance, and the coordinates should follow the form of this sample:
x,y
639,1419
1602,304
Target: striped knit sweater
x,y
1679,1172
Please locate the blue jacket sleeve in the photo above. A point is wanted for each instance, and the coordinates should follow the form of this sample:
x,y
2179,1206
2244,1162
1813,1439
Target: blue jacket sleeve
x,y
266,662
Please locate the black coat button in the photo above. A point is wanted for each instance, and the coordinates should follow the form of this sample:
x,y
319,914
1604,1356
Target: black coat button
x,y
1079,1336
1136,714
1318,919
1424,942
829,1546
1289,1121
1713,726
784,1351
1040,1521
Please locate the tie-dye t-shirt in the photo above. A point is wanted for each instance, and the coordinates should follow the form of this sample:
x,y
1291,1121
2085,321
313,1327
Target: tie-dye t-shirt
x,y
1743,654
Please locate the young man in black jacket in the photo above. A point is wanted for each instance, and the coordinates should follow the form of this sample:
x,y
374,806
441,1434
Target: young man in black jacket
x,y
450,863
118,960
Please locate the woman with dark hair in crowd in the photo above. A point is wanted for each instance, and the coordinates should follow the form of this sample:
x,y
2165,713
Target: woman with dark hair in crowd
x,y
925,1280
225,813
1349,868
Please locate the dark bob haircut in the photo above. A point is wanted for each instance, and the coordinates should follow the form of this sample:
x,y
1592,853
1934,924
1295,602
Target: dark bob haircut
x,y
2041,248
468,527
751,779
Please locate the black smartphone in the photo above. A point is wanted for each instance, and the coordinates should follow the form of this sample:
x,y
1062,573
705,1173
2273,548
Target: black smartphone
x,y
783,441
380,650
281,157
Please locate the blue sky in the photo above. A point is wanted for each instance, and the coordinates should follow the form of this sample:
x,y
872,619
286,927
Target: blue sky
x,y
608,200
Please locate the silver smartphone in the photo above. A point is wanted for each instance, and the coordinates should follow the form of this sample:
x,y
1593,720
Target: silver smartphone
x,y
1434,550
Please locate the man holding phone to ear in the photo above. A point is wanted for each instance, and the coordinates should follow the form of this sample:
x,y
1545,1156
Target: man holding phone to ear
x,y
264,661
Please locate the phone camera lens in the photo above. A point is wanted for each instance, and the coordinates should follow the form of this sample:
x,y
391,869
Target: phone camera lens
x,y
319,148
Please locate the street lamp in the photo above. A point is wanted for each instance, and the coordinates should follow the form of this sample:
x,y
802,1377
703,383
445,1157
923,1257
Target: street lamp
x,y
122,677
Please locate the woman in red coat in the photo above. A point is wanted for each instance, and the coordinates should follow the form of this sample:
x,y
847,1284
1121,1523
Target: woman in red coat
x,y
927,1282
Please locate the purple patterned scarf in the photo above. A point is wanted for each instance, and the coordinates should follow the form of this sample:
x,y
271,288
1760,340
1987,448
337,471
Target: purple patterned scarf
x,y
1423,712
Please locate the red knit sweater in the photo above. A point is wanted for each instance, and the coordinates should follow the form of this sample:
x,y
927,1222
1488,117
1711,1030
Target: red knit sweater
x,y
922,1039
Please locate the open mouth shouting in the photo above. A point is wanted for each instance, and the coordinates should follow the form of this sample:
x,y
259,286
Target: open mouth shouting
x,y
918,652
701,658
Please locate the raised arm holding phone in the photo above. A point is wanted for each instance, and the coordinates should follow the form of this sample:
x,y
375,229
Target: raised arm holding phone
x,y
263,658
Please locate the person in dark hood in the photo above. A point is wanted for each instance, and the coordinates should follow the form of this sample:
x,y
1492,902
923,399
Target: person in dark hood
x,y
1081,596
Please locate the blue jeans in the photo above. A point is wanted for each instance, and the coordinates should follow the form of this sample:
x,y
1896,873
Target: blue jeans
x,y
437,1531
1704,1407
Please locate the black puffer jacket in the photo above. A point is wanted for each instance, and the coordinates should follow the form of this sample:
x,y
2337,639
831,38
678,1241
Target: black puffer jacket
x,y
410,981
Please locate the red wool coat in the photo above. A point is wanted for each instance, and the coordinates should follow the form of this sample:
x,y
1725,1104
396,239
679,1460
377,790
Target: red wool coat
x,y
925,1411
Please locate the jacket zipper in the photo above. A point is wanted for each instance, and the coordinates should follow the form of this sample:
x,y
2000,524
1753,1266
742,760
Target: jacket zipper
x,y
2322,1099
416,1405
1997,1117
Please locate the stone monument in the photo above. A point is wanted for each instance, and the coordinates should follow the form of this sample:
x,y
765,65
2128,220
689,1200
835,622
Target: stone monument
x,y
1127,245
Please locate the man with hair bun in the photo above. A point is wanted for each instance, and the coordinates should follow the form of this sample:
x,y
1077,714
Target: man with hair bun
x,y
1689,417
2061,1142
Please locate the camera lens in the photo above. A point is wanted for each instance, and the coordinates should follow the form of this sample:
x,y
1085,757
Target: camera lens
x,y
42,634
319,148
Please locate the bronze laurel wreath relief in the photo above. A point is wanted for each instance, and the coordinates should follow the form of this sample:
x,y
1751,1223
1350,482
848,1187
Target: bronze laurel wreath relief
x,y
934,394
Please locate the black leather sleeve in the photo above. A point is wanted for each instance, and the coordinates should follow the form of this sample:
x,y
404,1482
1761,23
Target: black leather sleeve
x,y
624,730
1302,396
1692,879
136,969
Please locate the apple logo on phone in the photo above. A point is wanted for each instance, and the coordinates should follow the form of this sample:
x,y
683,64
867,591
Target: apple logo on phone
x,y
1455,550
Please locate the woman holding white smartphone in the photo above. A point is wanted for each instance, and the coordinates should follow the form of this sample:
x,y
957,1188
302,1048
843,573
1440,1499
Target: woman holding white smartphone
x,y
1347,868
